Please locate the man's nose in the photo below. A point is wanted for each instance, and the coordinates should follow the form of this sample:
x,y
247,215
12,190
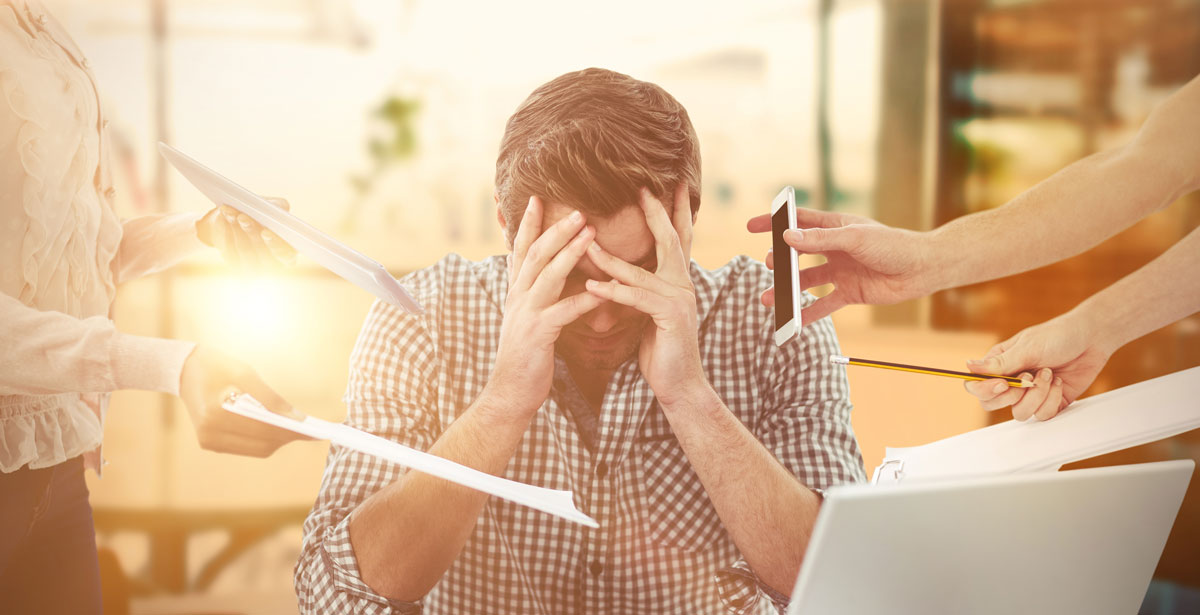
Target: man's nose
x,y
602,319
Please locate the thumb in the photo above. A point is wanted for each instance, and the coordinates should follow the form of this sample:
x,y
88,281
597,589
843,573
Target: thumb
x,y
267,396
1005,358
819,240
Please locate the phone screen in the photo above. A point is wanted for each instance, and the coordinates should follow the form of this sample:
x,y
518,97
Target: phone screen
x,y
783,268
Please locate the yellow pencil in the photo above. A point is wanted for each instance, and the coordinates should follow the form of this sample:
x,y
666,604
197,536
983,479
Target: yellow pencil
x,y
933,371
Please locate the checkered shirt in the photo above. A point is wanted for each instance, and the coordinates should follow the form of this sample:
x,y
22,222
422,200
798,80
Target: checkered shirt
x,y
660,547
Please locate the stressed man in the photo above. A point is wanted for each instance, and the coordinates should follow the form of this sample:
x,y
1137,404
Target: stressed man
x,y
595,357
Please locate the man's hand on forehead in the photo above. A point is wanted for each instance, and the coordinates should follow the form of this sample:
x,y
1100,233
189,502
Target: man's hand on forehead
x,y
669,356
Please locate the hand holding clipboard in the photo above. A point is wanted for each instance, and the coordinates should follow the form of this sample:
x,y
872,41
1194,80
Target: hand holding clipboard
x,y
349,264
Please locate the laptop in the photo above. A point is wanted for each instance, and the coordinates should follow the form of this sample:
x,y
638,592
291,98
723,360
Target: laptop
x,y
1058,543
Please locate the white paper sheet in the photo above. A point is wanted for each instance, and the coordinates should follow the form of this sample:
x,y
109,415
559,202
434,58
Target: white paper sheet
x,y
324,250
1112,421
551,501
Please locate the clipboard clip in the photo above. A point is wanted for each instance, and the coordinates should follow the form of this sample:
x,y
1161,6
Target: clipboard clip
x,y
890,471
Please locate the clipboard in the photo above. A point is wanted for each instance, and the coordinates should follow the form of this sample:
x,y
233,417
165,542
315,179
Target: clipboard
x,y
349,264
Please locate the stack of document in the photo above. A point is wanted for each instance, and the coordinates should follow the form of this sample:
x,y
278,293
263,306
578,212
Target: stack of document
x,y
1112,421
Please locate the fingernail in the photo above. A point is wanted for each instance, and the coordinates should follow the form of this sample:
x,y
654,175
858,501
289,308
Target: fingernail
x,y
592,284
974,362
594,248
576,216
267,236
1044,375
999,388
1058,382
793,234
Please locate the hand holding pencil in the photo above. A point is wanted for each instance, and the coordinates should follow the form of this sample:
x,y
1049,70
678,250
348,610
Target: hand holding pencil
x,y
1062,356
1054,363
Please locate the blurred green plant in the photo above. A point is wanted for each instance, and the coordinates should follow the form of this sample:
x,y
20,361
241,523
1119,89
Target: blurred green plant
x,y
393,142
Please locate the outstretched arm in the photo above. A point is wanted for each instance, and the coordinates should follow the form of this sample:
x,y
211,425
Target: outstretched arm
x,y
1068,213
1072,349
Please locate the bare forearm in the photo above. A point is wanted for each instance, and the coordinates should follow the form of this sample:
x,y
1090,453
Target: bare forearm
x,y
768,513
408,534
1068,213
1081,205
1160,293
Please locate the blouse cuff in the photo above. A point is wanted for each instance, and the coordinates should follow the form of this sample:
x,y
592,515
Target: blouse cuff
x,y
148,363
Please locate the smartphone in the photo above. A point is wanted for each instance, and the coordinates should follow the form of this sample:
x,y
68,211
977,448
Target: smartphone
x,y
787,276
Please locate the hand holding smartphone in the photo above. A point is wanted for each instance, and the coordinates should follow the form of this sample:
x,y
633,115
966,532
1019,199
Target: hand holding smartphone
x,y
787,276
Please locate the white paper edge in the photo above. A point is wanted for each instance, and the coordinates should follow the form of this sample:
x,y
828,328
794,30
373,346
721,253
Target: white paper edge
x,y
551,501
346,262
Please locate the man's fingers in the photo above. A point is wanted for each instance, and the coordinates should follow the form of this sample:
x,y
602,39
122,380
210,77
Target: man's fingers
x,y
545,247
770,260
768,297
1053,402
550,281
1033,398
567,310
822,307
681,218
667,244
637,298
527,233
627,273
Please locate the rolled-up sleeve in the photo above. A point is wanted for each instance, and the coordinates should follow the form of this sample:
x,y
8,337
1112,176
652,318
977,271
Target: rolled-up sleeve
x,y
805,420
388,395
805,424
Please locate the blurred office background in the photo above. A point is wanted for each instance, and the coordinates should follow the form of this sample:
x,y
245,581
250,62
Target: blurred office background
x,y
379,120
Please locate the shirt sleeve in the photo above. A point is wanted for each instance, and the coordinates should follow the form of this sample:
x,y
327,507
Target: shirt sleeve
x,y
805,424
806,417
388,395
47,352
150,244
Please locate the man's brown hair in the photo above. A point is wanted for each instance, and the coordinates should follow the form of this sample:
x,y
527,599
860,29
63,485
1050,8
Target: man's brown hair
x,y
591,139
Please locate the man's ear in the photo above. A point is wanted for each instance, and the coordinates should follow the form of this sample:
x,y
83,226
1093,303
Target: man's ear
x,y
500,219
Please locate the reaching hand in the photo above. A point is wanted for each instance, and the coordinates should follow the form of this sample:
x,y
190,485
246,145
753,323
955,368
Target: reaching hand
x,y
241,240
533,313
1065,357
866,261
669,356
207,380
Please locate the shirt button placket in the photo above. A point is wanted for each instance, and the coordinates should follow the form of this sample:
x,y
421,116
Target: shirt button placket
x,y
594,564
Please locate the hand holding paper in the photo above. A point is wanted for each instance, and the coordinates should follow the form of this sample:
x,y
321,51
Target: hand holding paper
x,y
554,502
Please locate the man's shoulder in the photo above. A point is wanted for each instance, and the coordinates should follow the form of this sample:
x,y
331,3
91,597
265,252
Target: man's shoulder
x,y
735,286
454,282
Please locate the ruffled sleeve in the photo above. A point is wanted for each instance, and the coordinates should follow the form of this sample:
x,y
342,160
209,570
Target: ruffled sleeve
x,y
49,352
150,244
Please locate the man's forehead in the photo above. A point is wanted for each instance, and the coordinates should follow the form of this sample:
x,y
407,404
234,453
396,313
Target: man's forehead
x,y
624,234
